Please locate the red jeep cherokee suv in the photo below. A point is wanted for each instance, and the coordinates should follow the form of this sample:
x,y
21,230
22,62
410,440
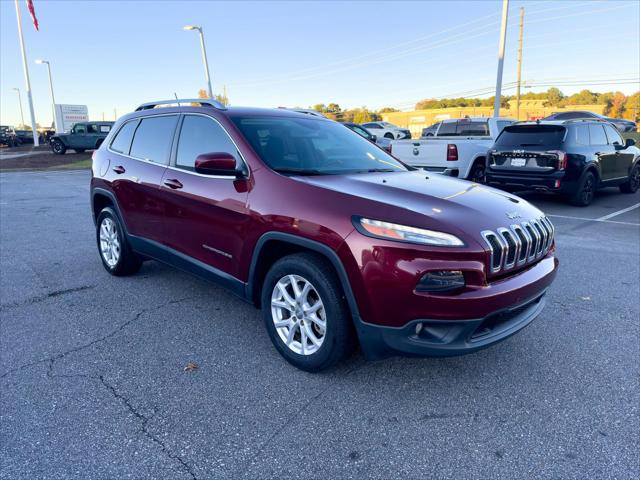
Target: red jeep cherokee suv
x,y
335,240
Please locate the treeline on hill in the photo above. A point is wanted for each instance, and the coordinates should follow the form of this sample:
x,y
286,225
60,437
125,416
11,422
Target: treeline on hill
x,y
617,104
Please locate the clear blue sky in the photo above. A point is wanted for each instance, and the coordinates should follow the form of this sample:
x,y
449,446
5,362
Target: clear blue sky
x,y
109,54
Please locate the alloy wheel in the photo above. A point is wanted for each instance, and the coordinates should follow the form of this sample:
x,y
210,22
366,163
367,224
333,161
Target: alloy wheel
x,y
109,242
588,190
298,314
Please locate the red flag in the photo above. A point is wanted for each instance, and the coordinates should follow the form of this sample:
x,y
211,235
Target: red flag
x,y
33,14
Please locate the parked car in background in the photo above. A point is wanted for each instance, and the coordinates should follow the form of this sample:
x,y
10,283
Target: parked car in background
x,y
82,136
25,137
430,131
458,148
620,123
382,142
573,157
387,130
8,136
332,237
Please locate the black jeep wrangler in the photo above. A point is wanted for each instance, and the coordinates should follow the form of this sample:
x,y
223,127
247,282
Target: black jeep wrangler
x,y
8,136
83,136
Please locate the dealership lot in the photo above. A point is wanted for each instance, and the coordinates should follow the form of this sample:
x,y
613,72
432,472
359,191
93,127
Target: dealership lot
x,y
93,382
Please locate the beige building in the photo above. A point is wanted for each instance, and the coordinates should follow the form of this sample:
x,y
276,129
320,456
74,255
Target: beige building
x,y
530,109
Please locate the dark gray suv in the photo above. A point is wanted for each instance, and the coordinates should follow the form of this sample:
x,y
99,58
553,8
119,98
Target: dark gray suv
x,y
574,157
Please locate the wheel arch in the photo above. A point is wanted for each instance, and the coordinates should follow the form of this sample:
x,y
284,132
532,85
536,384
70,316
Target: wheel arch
x,y
479,157
272,246
101,198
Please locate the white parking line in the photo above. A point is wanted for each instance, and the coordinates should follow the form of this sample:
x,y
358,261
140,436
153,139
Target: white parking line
x,y
619,212
594,220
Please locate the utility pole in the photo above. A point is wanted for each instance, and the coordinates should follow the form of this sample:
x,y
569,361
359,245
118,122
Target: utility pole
x,y
503,41
519,65
204,56
36,141
20,102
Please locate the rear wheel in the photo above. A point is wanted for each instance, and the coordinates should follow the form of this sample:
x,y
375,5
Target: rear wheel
x,y
58,147
583,196
305,313
116,254
478,172
632,184
389,135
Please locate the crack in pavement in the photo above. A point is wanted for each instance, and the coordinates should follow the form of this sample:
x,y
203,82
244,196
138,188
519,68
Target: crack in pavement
x,y
42,298
143,418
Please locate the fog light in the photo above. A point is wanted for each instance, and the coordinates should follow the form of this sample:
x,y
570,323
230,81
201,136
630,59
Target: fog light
x,y
441,281
418,328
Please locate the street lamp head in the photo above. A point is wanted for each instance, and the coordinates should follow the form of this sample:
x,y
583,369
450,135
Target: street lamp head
x,y
16,89
40,61
191,27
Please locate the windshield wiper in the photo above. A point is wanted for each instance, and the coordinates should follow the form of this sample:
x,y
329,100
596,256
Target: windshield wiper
x,y
378,170
299,171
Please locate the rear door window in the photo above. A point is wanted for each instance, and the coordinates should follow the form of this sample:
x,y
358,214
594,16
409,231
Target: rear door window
x,y
598,137
517,136
122,142
582,134
153,138
200,135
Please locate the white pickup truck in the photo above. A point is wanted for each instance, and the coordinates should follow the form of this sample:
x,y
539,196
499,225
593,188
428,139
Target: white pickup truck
x,y
458,148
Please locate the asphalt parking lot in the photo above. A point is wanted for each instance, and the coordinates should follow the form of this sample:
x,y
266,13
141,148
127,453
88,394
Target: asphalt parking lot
x,y
93,384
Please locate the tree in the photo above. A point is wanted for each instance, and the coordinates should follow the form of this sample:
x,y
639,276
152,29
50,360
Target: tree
x,y
222,98
554,97
362,115
616,105
388,110
584,97
632,107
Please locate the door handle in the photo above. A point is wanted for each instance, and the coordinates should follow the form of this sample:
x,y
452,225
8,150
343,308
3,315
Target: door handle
x,y
173,183
119,169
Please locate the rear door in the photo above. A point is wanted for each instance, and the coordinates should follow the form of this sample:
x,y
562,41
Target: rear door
x,y
604,152
206,215
623,158
138,157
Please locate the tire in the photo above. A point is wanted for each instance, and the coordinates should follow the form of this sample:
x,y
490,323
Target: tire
x,y
586,190
79,150
478,172
58,147
333,342
632,184
389,135
115,252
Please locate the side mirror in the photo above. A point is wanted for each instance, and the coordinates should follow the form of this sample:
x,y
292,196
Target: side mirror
x,y
629,142
217,163
374,138
617,146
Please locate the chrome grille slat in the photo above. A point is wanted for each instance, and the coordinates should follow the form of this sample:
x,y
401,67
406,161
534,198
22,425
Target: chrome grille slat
x,y
518,244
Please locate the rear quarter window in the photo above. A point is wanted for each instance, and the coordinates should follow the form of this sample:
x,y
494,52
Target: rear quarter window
x,y
596,132
472,128
122,141
582,134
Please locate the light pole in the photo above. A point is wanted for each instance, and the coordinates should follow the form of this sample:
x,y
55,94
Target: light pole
x,y
204,55
20,102
53,99
503,41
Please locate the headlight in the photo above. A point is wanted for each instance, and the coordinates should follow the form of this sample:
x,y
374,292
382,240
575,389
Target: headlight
x,y
403,233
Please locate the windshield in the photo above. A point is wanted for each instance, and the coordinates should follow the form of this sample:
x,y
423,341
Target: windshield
x,y
547,136
311,146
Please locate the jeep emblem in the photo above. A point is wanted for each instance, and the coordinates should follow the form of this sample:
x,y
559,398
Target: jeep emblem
x,y
416,151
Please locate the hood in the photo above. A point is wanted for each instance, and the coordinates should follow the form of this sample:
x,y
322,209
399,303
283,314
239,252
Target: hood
x,y
463,206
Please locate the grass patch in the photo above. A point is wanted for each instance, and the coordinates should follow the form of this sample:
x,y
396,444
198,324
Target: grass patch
x,y
79,165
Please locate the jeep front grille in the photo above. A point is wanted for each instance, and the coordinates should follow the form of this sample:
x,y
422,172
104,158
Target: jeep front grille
x,y
519,244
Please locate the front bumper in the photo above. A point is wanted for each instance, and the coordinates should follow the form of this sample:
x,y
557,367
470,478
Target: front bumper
x,y
444,338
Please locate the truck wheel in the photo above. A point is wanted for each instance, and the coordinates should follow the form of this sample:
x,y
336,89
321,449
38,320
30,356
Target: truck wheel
x,y
478,172
58,147
305,313
585,192
117,257
632,184
389,135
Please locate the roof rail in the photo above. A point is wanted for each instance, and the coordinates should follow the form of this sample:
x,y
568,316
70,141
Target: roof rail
x,y
586,120
203,102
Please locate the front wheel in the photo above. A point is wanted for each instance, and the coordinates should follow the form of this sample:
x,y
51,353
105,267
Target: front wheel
x,y
632,184
58,147
389,136
305,312
583,196
116,254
